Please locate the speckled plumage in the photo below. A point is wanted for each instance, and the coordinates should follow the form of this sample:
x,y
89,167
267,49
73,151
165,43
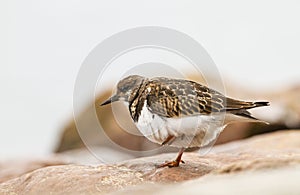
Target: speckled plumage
x,y
179,112
178,98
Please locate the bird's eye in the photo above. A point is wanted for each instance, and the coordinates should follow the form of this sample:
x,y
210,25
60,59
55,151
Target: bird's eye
x,y
124,88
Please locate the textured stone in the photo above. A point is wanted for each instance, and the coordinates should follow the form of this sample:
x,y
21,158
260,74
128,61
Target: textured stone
x,y
265,152
12,169
276,182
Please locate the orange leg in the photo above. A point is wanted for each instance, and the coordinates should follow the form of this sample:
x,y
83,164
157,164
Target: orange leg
x,y
169,139
174,163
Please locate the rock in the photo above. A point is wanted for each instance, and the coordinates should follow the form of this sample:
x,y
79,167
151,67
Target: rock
x,y
279,181
265,152
284,109
98,155
287,107
12,169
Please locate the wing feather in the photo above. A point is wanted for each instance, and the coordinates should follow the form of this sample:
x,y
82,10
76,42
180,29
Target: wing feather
x,y
177,98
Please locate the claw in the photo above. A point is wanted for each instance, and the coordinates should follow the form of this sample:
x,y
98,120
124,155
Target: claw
x,y
169,164
174,163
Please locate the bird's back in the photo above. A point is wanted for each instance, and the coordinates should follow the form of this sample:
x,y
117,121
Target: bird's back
x,y
189,111
179,98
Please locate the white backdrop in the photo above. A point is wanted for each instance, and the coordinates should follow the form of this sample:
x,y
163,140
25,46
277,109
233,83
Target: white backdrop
x,y
43,44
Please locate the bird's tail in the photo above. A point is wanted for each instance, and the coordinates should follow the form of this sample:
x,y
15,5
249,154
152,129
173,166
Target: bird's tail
x,y
259,104
246,115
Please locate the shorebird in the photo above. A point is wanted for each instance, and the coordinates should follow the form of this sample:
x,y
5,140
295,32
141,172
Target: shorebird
x,y
178,112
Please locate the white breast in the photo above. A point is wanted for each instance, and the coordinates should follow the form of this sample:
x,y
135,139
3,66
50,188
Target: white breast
x,y
194,131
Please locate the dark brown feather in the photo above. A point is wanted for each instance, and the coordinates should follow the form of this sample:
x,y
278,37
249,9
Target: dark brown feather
x,y
178,98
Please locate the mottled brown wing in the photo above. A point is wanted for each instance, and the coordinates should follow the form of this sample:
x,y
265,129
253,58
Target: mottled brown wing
x,y
176,98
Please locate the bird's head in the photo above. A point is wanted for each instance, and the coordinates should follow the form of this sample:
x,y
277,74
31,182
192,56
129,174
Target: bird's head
x,y
126,89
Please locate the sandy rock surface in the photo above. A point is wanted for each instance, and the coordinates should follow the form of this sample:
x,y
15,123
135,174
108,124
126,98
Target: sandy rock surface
x,y
274,151
14,168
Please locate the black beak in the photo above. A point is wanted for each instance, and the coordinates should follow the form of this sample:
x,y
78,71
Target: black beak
x,y
110,100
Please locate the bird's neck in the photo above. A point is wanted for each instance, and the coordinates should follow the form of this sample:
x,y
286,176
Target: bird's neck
x,y
137,103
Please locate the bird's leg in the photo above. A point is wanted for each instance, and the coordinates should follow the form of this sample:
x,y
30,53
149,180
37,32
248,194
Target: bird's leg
x,y
174,163
169,140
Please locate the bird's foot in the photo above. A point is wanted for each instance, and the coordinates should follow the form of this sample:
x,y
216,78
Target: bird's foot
x,y
170,164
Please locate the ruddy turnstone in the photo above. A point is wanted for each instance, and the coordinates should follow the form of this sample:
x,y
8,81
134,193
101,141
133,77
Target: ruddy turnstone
x,y
180,113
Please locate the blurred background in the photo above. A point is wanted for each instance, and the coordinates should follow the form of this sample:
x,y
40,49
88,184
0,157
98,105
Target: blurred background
x,y
255,46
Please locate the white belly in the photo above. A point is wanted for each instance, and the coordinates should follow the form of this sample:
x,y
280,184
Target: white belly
x,y
194,131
